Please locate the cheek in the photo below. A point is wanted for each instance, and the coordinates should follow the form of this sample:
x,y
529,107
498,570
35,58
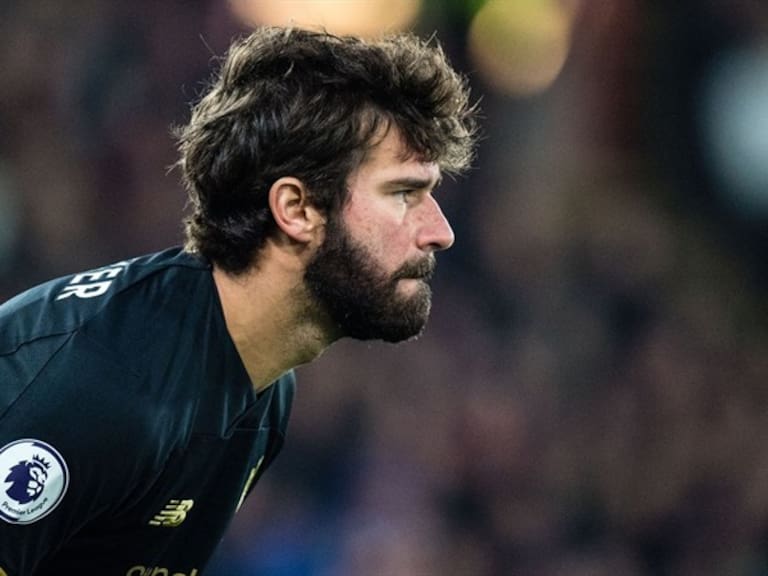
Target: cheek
x,y
388,244
382,233
394,242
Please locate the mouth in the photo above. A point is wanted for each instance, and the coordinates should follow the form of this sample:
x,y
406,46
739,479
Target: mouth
x,y
423,270
414,285
420,279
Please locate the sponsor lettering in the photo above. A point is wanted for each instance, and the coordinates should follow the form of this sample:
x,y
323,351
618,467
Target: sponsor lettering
x,y
157,571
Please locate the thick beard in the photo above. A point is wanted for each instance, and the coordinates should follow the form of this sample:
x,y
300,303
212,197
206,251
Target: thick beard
x,y
360,297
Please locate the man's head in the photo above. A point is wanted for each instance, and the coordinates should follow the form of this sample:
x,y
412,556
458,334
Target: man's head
x,y
291,102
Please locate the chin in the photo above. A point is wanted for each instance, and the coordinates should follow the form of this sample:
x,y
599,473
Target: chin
x,y
410,287
403,325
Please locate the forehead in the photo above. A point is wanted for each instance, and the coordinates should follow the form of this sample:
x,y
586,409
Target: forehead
x,y
390,159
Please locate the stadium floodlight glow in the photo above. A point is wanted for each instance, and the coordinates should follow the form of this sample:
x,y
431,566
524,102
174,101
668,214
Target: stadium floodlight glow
x,y
361,17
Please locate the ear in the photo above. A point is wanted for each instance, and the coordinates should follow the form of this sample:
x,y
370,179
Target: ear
x,y
292,211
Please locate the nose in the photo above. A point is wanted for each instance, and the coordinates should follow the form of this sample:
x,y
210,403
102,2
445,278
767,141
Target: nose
x,y
435,232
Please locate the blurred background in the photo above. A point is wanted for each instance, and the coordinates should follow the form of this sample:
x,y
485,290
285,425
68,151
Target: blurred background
x,y
590,396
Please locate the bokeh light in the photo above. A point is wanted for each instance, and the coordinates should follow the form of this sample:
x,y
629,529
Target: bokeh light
x,y
735,122
361,17
520,46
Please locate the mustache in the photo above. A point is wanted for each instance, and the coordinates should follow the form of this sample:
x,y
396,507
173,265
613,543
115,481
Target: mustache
x,y
422,269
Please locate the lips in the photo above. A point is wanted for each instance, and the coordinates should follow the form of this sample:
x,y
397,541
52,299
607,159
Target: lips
x,y
420,270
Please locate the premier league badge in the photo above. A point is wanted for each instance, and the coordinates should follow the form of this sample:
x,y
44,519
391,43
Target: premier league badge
x,y
33,480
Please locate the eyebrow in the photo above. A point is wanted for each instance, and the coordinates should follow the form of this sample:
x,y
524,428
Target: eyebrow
x,y
415,183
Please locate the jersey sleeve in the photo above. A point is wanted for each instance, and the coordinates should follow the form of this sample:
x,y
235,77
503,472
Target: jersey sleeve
x,y
74,445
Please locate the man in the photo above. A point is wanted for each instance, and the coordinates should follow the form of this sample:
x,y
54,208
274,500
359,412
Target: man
x,y
140,402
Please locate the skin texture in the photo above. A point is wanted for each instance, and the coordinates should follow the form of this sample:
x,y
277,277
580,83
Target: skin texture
x,y
361,273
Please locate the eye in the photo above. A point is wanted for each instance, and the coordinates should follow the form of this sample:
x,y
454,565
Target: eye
x,y
407,195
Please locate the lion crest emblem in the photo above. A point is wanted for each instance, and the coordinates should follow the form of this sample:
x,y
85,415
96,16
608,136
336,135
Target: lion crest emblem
x,y
33,480
28,479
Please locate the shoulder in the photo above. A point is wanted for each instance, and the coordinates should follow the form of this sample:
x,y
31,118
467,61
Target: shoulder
x,y
68,303
131,307
92,351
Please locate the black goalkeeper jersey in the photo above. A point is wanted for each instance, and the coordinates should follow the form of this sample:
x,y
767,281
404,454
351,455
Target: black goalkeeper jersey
x,y
129,429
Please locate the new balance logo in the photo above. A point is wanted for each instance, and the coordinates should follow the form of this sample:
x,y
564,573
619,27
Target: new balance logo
x,y
174,513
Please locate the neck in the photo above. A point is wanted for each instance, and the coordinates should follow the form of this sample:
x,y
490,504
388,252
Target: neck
x,y
271,321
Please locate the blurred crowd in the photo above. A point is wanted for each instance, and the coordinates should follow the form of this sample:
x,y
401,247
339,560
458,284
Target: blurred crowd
x,y
588,397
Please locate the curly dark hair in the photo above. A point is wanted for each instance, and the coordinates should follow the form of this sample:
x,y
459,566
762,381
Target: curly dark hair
x,y
308,104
